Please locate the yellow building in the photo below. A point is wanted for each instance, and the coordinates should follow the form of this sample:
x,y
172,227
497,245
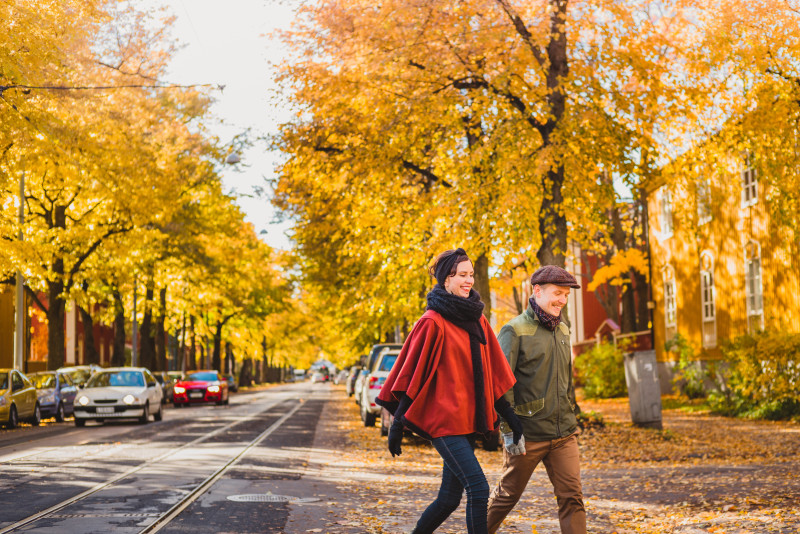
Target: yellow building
x,y
722,266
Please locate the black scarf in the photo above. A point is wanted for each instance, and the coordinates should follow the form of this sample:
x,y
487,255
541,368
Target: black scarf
x,y
548,321
466,313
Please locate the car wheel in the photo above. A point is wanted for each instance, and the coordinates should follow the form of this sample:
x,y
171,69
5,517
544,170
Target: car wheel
x,y
37,415
13,420
80,422
145,418
384,428
368,418
158,416
60,415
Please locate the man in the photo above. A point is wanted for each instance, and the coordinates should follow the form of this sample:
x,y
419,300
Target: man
x,y
537,346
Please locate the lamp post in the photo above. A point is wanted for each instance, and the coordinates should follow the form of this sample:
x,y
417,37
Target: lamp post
x,y
19,334
135,330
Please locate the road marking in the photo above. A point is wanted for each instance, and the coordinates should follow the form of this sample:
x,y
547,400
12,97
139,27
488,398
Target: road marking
x,y
179,507
129,472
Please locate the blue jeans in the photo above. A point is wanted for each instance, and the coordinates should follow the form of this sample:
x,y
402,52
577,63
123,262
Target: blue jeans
x,y
461,471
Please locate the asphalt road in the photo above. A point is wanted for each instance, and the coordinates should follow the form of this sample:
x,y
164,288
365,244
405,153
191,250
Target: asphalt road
x,y
239,468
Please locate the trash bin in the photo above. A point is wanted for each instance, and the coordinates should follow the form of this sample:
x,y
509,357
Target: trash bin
x,y
644,390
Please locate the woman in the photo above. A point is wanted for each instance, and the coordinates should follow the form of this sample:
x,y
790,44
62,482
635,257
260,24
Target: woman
x,y
447,383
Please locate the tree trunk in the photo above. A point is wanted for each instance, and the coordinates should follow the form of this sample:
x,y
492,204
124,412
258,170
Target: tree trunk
x,y
246,374
216,360
482,283
148,351
56,314
193,350
229,358
118,351
161,334
552,220
90,351
182,350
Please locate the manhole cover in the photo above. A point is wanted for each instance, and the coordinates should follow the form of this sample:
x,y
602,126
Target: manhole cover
x,y
268,497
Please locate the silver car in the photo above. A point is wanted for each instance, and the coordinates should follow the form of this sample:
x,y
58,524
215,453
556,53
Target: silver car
x,y
119,393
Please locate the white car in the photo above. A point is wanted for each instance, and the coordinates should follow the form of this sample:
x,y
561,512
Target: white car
x,y
119,393
373,383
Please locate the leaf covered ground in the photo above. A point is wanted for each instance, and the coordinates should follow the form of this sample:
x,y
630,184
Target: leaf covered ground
x,y
701,473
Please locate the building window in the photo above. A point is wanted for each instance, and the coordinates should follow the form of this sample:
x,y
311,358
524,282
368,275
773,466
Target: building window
x,y
749,182
703,201
665,211
670,304
708,300
753,287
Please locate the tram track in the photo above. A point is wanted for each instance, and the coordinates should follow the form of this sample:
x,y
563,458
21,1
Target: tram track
x,y
62,508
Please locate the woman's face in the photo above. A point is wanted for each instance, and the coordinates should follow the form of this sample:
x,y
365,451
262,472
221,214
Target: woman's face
x,y
460,283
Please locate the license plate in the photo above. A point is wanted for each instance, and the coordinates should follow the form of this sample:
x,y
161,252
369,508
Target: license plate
x,y
195,394
105,409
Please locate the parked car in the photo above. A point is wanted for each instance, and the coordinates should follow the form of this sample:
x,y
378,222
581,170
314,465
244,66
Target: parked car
x,y
80,374
167,382
201,387
373,383
350,383
56,394
233,387
120,393
369,362
299,374
18,399
359,384
341,376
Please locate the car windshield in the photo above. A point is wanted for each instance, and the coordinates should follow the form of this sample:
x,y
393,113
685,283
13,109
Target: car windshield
x,y
116,378
387,362
202,377
44,381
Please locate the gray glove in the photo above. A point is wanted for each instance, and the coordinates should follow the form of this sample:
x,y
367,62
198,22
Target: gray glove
x,y
513,448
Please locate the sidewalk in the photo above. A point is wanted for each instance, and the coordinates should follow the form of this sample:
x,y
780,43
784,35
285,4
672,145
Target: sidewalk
x,y
700,474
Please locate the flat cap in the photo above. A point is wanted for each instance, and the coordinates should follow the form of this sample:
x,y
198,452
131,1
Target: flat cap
x,y
552,274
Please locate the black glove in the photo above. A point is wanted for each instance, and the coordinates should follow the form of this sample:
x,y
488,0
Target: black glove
x,y
395,438
396,430
505,410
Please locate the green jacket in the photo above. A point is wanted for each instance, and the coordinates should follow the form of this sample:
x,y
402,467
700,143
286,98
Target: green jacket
x,y
544,395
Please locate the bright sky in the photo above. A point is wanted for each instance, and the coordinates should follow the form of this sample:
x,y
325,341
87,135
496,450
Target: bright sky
x,y
227,43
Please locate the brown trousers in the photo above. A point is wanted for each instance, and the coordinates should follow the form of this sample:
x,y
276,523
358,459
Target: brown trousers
x,y
561,458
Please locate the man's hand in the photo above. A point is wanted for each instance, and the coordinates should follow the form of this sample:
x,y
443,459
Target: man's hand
x,y
512,445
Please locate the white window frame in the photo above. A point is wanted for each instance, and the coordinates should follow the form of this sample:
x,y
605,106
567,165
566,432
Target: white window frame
x,y
753,286
670,303
665,212
749,182
704,214
708,299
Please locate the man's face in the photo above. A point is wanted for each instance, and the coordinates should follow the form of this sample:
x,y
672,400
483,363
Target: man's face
x,y
551,298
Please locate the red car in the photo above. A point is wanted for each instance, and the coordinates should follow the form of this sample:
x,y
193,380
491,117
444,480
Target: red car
x,y
199,387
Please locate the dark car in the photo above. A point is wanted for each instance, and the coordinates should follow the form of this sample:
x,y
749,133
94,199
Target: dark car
x,y
56,394
233,387
350,383
167,381
200,387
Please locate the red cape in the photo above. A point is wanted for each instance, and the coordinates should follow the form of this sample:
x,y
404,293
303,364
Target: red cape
x,y
435,370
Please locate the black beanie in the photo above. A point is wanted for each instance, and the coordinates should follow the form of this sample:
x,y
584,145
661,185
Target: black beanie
x,y
447,263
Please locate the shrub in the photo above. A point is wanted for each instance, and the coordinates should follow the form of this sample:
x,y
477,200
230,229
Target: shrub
x,y
689,374
601,371
763,377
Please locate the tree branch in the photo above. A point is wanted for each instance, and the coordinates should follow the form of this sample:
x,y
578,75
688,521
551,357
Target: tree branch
x,y
522,31
425,173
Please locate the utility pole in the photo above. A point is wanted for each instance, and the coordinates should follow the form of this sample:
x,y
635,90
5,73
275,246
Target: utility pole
x,y
135,331
19,337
